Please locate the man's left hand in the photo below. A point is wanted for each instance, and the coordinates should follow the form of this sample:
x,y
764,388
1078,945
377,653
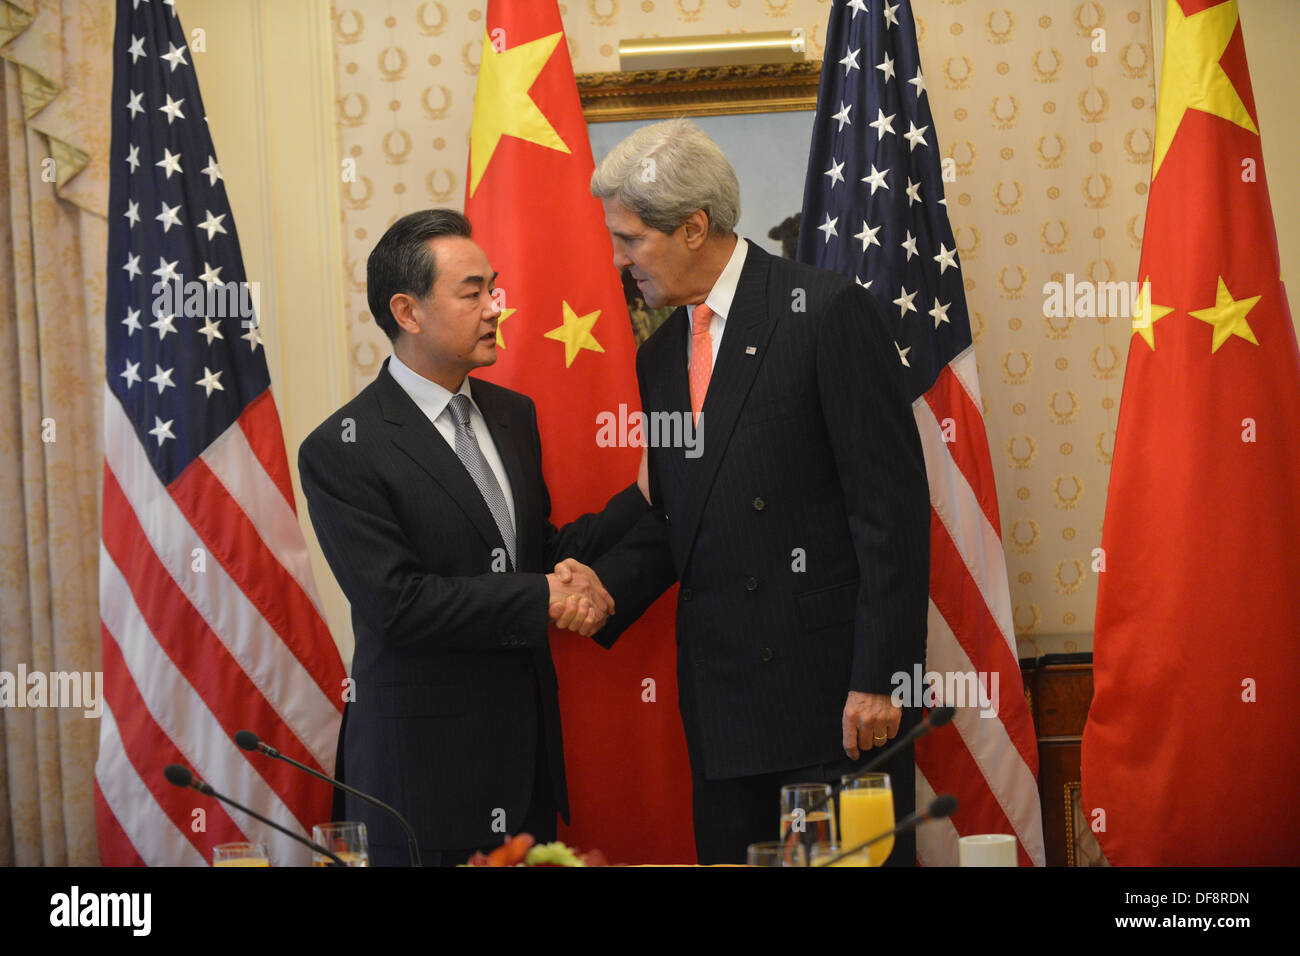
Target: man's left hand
x,y
870,720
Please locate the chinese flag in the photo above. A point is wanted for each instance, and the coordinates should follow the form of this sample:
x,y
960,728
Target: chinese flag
x,y
1191,754
565,340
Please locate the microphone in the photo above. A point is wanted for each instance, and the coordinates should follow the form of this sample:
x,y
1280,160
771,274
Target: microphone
x,y
944,805
929,721
182,777
247,740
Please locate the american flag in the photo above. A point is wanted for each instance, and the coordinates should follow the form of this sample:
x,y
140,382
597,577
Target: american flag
x,y
874,209
209,616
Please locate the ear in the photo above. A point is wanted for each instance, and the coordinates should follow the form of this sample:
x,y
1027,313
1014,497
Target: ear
x,y
697,229
404,308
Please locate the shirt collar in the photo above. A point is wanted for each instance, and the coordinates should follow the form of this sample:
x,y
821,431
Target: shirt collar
x,y
431,397
724,290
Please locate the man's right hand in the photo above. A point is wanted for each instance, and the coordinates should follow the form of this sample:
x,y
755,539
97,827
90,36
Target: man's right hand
x,y
578,601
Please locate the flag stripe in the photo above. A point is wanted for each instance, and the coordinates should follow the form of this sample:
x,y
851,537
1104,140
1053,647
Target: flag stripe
x,y
977,545
965,369
146,827
222,604
260,423
177,630
186,719
979,811
978,638
258,496
970,621
948,399
936,840
232,538
146,737
114,844
993,745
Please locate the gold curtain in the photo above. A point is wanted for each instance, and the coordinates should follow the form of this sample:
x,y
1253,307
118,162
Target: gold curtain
x,y
54,97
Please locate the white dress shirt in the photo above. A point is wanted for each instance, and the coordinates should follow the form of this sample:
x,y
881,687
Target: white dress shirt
x,y
719,300
433,399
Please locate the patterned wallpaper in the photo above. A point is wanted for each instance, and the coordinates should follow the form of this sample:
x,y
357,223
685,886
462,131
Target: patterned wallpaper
x,y
1048,123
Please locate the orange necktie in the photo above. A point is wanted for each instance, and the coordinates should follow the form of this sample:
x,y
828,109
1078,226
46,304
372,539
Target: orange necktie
x,y
701,357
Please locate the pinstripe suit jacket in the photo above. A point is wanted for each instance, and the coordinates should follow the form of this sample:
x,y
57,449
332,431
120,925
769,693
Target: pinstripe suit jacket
x,y
800,535
452,665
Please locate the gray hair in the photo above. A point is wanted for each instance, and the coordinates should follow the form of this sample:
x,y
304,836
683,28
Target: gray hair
x,y
666,171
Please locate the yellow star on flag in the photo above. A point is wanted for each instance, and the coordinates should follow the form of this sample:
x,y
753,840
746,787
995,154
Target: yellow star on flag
x,y
501,320
1228,316
1146,315
1192,77
575,333
502,106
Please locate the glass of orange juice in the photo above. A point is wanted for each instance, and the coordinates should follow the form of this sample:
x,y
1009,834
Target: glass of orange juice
x,y
828,854
866,811
240,854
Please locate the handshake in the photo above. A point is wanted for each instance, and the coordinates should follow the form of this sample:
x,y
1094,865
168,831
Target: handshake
x,y
578,602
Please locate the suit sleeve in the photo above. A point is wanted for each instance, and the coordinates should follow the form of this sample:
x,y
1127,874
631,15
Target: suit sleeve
x,y
882,472
640,567
382,576
635,572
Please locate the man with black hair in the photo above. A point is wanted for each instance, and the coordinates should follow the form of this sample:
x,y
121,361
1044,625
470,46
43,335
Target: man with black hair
x,y
427,495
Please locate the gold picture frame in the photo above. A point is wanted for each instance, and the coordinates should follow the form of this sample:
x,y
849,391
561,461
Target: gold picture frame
x,y
1081,846
699,91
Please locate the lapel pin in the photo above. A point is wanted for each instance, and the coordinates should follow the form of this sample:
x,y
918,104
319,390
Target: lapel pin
x,y
751,349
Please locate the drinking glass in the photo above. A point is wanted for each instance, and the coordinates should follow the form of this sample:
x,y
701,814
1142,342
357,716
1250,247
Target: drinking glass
x,y
866,811
346,840
807,809
240,854
775,854
821,854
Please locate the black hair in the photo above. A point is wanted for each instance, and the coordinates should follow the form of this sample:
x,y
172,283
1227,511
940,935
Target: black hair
x,y
402,262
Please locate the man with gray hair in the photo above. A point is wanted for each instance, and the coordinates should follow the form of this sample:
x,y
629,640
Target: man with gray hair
x,y
800,535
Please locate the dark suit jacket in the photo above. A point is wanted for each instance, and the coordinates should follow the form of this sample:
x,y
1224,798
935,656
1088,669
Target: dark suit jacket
x,y
452,668
800,535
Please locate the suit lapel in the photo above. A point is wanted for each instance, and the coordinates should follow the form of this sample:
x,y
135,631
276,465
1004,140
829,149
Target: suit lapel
x,y
675,382
417,437
744,344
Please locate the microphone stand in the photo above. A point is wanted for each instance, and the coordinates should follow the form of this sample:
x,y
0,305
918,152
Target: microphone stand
x,y
930,721
249,741
913,821
207,791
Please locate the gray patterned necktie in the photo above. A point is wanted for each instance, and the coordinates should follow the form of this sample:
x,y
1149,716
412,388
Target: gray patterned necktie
x,y
471,456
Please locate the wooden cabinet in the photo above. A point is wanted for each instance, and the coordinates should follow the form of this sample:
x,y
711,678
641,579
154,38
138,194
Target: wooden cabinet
x,y
1059,690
